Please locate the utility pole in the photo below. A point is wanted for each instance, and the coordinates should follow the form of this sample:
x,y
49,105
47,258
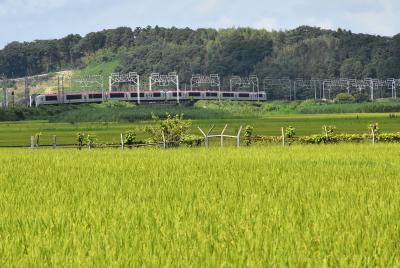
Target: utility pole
x,y
27,92
5,97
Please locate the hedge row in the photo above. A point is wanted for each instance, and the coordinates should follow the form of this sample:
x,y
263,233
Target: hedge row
x,y
333,138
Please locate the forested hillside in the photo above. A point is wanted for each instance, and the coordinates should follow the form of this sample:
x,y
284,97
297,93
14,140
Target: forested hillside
x,y
304,52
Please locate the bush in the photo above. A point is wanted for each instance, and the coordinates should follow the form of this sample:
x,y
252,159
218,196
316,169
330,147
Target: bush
x,y
344,98
113,104
192,140
174,128
248,132
80,139
130,137
290,132
91,140
361,97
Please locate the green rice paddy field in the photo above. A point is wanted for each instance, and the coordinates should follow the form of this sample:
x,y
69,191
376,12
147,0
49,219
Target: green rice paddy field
x,y
18,133
328,205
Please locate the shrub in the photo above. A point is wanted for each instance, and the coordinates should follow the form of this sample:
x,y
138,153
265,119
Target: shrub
x,y
91,140
388,137
248,132
313,139
361,97
80,139
112,104
344,98
192,140
290,132
174,128
329,129
374,127
130,137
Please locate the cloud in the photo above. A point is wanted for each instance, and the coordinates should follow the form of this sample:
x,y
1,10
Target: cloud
x,y
26,7
268,23
24,20
225,22
382,20
374,22
208,6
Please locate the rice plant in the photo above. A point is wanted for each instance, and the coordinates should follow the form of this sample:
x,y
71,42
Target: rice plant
x,y
334,205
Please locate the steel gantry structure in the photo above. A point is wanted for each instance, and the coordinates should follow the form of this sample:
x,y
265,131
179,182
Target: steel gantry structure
x,y
165,80
239,83
132,79
212,80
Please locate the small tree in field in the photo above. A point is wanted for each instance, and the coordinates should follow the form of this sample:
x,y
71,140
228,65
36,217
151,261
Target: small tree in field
x,y
248,133
130,137
290,132
80,139
91,140
174,128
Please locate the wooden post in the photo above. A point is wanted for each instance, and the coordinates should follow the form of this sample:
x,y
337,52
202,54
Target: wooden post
x,y
283,136
122,142
326,134
238,137
54,141
32,142
222,135
373,135
164,141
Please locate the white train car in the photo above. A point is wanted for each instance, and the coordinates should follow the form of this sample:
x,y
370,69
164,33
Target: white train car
x,y
146,96
46,99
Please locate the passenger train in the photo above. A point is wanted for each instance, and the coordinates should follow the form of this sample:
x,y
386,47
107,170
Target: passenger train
x,y
145,97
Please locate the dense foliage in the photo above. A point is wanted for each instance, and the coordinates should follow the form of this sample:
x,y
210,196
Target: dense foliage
x,y
303,52
125,112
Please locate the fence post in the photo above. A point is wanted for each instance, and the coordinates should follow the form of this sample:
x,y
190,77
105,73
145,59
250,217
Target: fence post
x,y
164,141
32,142
326,134
54,141
205,137
222,135
238,137
283,136
122,142
373,135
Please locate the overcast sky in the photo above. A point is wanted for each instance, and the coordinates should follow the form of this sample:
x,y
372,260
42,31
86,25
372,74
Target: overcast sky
x,y
27,20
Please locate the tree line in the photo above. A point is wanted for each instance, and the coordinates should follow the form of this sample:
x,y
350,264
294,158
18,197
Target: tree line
x,y
305,52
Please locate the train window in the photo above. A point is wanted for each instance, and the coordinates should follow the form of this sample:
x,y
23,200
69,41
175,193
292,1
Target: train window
x,y
50,98
117,95
134,95
156,95
194,94
243,95
74,97
174,94
211,94
228,95
261,95
95,96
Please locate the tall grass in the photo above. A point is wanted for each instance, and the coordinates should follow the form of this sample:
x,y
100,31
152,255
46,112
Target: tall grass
x,y
300,206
